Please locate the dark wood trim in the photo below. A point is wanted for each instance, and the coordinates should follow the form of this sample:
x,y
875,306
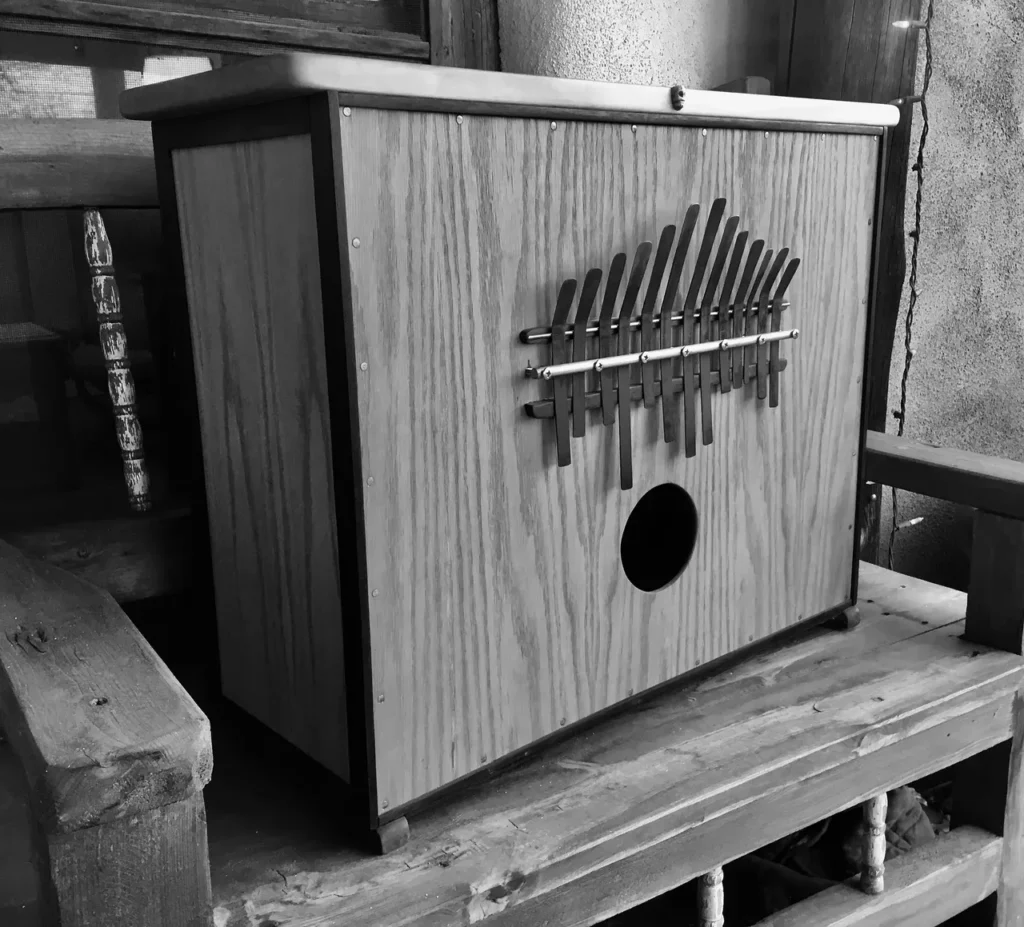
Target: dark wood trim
x,y
354,26
964,477
464,34
859,512
346,447
252,123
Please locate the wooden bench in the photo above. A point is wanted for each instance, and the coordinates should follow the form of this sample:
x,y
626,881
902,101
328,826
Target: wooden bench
x,y
115,755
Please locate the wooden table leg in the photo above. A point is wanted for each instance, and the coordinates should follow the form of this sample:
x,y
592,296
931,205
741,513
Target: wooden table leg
x,y
872,876
711,898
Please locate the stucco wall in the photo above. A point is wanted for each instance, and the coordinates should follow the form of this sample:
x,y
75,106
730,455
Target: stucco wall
x,y
967,378
697,43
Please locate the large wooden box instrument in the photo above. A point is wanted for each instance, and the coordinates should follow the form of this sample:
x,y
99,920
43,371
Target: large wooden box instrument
x,y
505,416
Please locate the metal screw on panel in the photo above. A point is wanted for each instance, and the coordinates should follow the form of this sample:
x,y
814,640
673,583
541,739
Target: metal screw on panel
x,y
347,111
364,366
554,126
369,481
375,593
384,803
633,129
380,698
629,693
766,135
704,132
458,119
356,242
562,722
483,758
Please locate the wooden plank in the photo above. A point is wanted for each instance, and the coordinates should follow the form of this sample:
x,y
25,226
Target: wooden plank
x,y
990,483
995,604
103,729
464,34
381,27
132,558
558,633
75,162
249,240
648,798
150,868
923,888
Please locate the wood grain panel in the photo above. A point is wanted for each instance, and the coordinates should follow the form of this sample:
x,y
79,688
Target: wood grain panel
x,y
503,610
253,281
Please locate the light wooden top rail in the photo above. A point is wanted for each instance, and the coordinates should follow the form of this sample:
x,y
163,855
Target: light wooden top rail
x,y
100,726
652,797
67,163
992,484
399,84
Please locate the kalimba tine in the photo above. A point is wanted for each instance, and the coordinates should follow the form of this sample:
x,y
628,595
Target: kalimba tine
x,y
505,416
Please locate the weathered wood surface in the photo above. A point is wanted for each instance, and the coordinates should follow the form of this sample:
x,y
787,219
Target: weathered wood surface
x,y
48,163
132,557
102,728
647,800
464,34
249,237
924,888
147,869
993,484
392,28
503,609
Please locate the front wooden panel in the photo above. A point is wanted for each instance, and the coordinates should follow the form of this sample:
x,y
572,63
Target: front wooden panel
x,y
503,611
249,243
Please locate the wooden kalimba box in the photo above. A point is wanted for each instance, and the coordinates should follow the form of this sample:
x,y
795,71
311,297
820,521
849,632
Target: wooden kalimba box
x,y
518,396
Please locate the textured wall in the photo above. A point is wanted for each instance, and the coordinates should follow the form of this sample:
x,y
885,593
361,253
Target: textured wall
x,y
967,379
698,43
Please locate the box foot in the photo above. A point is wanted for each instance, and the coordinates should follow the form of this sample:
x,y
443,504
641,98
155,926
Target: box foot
x,y
392,836
846,620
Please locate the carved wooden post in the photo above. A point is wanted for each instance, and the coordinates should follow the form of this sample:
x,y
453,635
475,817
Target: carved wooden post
x,y
711,898
120,383
872,876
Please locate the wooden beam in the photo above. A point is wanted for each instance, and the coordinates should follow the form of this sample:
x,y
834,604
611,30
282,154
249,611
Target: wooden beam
x,y
923,888
390,28
464,34
132,557
60,163
101,727
151,868
990,483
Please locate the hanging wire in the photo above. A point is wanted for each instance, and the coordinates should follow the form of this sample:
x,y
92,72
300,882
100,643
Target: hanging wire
x,y
901,415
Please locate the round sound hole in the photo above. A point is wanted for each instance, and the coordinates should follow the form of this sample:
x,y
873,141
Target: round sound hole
x,y
659,537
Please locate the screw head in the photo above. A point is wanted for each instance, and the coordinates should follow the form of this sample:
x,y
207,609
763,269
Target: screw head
x,y
633,129
380,698
356,242
364,366
704,132
483,758
561,723
547,374
645,357
347,111
458,119
384,803
796,334
766,135
724,345
598,366
629,693
375,593
369,481
554,126
685,352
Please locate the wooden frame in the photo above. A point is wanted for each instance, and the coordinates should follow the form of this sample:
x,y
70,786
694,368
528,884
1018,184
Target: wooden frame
x,y
395,28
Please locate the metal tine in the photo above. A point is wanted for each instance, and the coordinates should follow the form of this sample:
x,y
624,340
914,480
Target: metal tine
x,y
668,236
738,313
762,322
705,325
725,319
636,277
591,284
773,363
668,395
750,319
558,356
703,256
606,344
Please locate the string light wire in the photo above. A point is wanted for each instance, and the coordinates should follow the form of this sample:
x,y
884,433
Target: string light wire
x,y
901,415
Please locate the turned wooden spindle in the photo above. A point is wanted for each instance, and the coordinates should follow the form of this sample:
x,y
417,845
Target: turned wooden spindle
x,y
711,898
120,383
872,876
